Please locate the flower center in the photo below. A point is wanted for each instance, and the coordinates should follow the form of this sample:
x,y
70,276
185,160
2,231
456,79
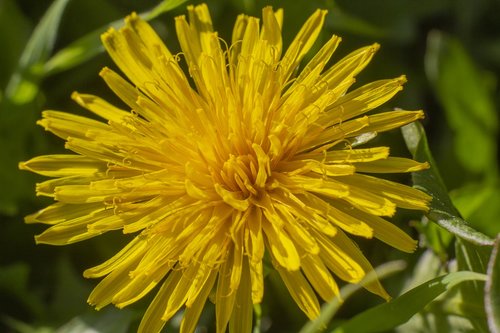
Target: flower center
x,y
242,177
239,174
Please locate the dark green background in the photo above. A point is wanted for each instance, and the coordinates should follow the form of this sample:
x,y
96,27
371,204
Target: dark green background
x,y
449,50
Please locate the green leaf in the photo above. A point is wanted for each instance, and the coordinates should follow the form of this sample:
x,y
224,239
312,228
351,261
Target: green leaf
x,y
492,289
90,45
44,36
453,313
436,322
471,302
396,312
467,99
18,27
442,211
329,309
23,84
163,7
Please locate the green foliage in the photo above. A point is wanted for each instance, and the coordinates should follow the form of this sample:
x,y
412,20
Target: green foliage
x,y
469,107
472,248
90,45
492,291
442,209
478,204
24,83
331,308
401,309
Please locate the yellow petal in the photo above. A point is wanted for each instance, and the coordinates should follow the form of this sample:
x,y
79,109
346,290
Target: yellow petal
x,y
124,90
298,232
301,291
346,69
255,248
74,230
335,133
328,187
339,260
118,279
152,320
241,318
386,121
238,32
350,248
320,278
147,35
192,313
318,62
263,166
253,238
190,34
257,278
139,286
302,42
48,187
199,18
63,165
281,246
313,215
128,54
232,198
133,249
348,223
100,107
180,291
66,125
198,283
60,212
194,191
355,155
225,295
362,100
402,195
368,201
392,165
271,31
385,231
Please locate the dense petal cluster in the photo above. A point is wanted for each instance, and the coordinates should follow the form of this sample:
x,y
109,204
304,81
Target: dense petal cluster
x,y
244,158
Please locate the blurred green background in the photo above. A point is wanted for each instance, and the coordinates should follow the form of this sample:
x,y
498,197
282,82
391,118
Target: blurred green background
x,y
449,50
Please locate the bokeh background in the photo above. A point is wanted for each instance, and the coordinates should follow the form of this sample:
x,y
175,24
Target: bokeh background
x,y
449,50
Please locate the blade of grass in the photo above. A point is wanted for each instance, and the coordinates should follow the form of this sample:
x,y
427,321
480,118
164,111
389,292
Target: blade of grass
x,y
90,45
23,84
329,309
399,310
163,7
492,289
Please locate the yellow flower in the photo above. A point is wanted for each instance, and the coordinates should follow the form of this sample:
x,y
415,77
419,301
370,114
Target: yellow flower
x,y
245,158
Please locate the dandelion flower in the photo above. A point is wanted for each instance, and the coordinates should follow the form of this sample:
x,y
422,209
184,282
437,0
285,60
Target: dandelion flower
x,y
243,158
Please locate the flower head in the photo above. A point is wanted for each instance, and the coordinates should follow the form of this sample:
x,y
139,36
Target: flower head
x,y
244,158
